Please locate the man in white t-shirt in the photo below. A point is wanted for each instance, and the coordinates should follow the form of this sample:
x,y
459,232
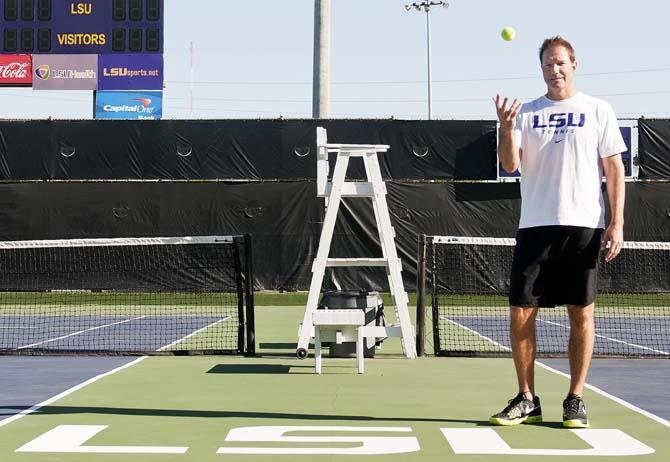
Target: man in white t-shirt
x,y
563,143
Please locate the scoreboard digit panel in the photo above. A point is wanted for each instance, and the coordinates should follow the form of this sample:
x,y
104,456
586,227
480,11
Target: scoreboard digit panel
x,y
81,26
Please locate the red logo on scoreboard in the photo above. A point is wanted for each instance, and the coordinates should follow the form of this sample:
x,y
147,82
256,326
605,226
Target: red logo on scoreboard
x,y
16,70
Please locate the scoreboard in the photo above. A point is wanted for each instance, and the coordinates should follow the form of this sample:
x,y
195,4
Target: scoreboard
x,y
81,26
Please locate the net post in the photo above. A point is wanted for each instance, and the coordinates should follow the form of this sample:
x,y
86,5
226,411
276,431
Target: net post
x,y
249,296
240,276
433,299
420,296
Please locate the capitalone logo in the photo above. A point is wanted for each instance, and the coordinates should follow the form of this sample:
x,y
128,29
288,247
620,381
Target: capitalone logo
x,y
146,102
42,72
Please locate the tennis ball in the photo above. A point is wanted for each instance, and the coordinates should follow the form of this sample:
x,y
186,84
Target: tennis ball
x,y
508,33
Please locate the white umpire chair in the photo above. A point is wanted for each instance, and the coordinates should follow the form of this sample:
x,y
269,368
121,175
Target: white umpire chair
x,y
345,325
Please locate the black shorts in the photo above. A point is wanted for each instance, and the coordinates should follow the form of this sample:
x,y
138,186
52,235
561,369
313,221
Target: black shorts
x,y
555,265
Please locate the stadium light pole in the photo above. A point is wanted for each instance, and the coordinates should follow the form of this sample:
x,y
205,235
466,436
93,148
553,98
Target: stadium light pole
x,y
321,72
426,6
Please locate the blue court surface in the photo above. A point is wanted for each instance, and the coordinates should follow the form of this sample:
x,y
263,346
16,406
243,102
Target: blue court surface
x,y
120,333
641,382
28,380
633,336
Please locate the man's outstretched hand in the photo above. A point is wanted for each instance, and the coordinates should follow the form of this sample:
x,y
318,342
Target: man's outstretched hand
x,y
506,116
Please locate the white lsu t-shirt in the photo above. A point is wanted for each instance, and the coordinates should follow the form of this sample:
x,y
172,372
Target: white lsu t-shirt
x,y
562,143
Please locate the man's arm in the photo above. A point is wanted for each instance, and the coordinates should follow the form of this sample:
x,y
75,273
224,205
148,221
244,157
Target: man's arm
x,y
510,155
616,192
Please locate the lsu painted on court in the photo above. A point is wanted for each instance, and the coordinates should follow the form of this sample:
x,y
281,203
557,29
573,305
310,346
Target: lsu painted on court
x,y
603,442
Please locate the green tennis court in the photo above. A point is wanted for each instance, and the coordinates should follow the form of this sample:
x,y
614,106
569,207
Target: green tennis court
x,y
194,408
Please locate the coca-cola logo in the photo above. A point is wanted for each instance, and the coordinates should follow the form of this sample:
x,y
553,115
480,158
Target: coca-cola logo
x,y
14,70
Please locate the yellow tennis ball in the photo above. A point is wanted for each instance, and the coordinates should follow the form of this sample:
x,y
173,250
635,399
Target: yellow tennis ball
x,y
508,33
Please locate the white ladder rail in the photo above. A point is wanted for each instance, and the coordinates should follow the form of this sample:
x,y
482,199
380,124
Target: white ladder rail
x,y
379,195
394,268
319,264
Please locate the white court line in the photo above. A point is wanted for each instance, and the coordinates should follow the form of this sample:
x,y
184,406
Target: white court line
x,y
194,333
611,339
36,407
25,412
499,345
616,399
563,326
79,332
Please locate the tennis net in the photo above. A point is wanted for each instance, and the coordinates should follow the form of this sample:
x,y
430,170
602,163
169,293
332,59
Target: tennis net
x,y
467,280
172,295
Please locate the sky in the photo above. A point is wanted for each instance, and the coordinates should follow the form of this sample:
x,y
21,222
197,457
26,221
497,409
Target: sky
x,y
254,58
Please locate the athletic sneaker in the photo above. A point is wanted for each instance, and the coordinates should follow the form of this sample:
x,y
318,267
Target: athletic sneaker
x,y
519,410
574,412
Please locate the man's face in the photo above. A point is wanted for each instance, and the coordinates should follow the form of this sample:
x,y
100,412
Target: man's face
x,y
557,69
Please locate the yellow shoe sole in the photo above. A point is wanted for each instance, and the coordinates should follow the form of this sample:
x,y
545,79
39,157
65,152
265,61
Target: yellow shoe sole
x,y
575,423
507,423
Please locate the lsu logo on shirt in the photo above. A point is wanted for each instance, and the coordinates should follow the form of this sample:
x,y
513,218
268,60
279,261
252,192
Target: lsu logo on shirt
x,y
560,119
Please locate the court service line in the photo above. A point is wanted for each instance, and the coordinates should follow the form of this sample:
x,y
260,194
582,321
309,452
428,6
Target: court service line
x,y
616,399
193,333
611,339
80,332
67,392
458,324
